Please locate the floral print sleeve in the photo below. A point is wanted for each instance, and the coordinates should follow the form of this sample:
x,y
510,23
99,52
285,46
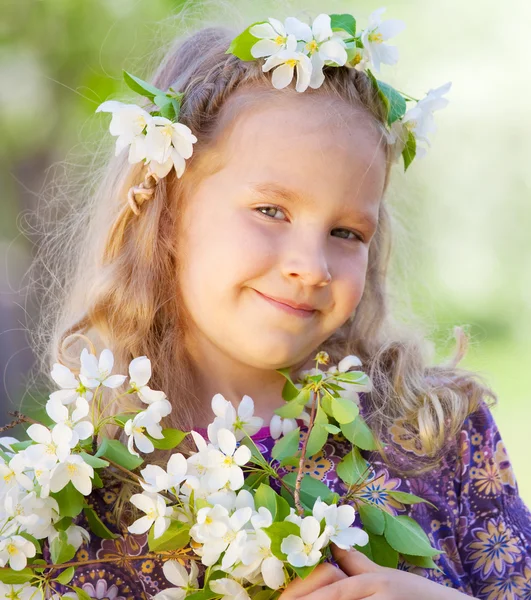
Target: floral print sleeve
x,y
494,532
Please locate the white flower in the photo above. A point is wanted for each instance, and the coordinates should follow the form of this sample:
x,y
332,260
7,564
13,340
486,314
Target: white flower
x,y
285,62
96,372
157,479
154,505
25,591
304,551
226,418
168,144
51,446
146,420
15,551
13,474
273,36
75,534
378,32
140,374
282,426
175,573
71,388
73,469
211,522
229,589
420,120
81,429
338,524
227,462
128,123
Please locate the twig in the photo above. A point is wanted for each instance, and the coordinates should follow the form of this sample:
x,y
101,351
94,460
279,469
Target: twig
x,y
297,495
19,419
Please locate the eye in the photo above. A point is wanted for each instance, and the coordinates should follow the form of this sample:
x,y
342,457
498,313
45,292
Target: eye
x,y
272,208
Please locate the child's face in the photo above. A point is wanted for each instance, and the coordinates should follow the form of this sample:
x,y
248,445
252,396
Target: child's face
x,y
302,252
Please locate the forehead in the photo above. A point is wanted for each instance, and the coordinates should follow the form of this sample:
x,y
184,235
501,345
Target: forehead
x,y
305,143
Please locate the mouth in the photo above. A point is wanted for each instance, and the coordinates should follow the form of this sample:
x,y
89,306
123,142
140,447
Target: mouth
x,y
299,312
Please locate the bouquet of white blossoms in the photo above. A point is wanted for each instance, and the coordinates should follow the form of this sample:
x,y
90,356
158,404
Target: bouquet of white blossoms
x,y
215,506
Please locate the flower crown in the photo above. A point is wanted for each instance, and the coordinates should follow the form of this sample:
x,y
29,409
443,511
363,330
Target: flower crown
x,y
162,143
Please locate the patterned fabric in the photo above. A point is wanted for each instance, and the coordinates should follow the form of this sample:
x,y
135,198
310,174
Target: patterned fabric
x,y
480,522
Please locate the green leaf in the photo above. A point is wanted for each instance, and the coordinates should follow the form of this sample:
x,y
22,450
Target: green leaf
x,y
63,524
395,102
207,594
353,377
287,445
277,532
175,537
241,45
318,434
293,408
406,536
425,562
19,446
311,489
303,572
352,468
283,508
94,461
253,480
344,21
96,481
267,497
12,577
66,576
372,518
61,551
172,438
292,461
358,433
257,457
81,594
333,429
122,419
114,450
410,149
382,553
289,391
406,498
345,410
141,87
70,501
97,526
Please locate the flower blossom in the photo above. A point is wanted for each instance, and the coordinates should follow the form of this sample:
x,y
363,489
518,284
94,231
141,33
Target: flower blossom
x,y
226,418
175,573
285,62
146,420
157,513
73,469
229,589
304,550
273,36
227,461
156,479
338,521
16,550
80,428
71,387
96,372
140,374
375,36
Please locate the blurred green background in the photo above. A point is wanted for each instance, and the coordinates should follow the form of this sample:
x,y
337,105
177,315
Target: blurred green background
x,y
463,255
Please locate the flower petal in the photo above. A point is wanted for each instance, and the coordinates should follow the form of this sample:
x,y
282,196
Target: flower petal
x,y
282,76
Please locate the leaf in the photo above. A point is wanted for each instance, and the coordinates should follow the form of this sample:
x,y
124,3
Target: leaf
x,y
372,518
122,419
207,594
358,433
70,501
277,532
19,446
287,445
97,526
406,498
172,438
406,535
352,468
333,429
256,455
425,562
410,150
253,480
292,461
81,594
283,508
303,572
318,435
267,497
293,408
311,489
382,553
177,536
63,524
395,102
141,87
344,21
96,480
114,450
353,377
94,461
289,391
12,577
61,551
241,45
66,576
345,410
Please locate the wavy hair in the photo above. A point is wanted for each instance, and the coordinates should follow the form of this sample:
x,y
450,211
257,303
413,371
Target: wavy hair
x,y
116,274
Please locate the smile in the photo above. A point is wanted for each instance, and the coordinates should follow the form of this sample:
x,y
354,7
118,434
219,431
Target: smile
x,y
298,312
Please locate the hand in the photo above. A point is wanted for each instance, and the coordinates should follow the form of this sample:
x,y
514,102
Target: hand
x,y
360,578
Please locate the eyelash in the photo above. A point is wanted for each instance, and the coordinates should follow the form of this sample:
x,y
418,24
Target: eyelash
x,y
269,206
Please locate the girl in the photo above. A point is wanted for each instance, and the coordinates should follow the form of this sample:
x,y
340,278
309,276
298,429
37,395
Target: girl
x,y
272,246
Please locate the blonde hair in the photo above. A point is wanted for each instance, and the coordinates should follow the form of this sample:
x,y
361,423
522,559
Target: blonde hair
x,y
121,290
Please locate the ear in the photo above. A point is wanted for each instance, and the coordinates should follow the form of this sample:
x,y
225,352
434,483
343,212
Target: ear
x,y
352,562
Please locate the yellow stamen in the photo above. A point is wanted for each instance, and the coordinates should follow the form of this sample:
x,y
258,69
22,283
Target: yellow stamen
x,y
376,38
312,46
72,469
279,40
12,549
291,62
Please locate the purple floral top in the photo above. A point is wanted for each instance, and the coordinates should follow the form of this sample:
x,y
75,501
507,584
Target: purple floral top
x,y
480,521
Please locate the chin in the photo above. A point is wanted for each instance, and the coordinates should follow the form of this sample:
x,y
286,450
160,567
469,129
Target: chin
x,y
275,356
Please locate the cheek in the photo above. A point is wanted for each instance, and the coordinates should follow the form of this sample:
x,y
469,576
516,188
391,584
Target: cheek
x,y
350,282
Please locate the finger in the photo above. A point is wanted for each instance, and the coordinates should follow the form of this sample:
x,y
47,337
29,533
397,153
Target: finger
x,y
323,575
360,587
353,562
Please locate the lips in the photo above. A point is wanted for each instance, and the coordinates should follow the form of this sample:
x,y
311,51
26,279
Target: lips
x,y
301,308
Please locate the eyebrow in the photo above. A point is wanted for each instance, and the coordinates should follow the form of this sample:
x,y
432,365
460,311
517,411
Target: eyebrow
x,y
279,192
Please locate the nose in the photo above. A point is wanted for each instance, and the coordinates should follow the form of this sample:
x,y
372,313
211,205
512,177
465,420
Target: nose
x,y
306,260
